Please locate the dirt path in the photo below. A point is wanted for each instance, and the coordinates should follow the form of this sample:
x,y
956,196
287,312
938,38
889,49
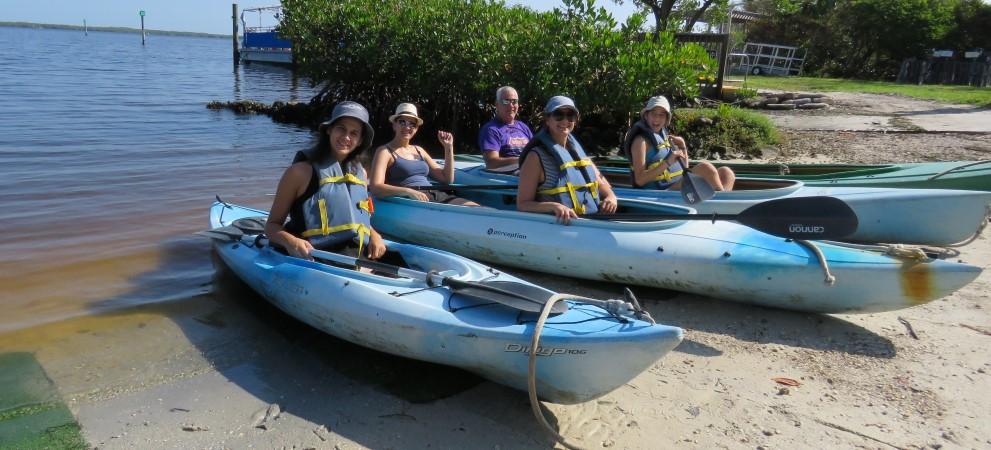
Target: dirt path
x,y
872,128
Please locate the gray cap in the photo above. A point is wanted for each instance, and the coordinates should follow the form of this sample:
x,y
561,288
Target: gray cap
x,y
356,111
559,101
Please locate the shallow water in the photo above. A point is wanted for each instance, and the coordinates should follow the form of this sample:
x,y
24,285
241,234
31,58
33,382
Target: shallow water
x,y
109,161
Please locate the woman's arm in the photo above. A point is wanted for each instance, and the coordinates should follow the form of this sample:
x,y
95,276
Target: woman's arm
x,y
608,202
291,186
638,162
376,246
377,185
443,174
531,174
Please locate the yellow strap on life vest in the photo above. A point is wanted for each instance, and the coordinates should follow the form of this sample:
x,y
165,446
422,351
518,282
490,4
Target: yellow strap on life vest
x,y
346,178
325,230
572,190
667,176
579,163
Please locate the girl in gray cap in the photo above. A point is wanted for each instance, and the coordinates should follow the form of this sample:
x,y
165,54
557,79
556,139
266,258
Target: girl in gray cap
x,y
325,192
658,160
555,174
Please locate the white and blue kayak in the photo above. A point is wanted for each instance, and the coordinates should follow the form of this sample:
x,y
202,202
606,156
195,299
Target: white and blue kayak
x,y
584,352
908,216
718,259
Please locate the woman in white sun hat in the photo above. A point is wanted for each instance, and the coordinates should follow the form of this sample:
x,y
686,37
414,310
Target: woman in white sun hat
x,y
658,159
399,166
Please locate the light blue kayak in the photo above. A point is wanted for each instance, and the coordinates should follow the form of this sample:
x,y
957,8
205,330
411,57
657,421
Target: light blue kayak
x,y
908,216
584,352
723,259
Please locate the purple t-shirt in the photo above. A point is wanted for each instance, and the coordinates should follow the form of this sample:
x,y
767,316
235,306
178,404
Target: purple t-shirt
x,y
508,139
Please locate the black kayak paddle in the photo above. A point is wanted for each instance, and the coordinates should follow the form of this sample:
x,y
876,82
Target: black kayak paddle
x,y
806,218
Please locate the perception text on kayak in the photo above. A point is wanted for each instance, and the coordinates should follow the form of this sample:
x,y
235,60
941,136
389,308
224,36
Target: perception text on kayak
x,y
493,231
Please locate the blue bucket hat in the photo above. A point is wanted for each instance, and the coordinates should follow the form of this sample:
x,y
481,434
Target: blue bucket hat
x,y
356,111
559,101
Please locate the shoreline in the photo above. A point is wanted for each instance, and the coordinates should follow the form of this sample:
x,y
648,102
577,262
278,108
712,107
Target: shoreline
x,y
55,26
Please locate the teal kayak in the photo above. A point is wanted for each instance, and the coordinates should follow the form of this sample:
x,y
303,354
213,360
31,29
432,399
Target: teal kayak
x,y
583,353
938,217
965,175
719,259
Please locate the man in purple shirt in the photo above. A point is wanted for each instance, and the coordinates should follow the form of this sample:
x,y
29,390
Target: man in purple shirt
x,y
502,139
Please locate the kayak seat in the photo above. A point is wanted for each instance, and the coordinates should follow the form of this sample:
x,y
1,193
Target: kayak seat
x,y
250,225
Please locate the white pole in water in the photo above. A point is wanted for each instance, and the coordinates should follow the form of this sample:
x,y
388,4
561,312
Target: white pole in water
x,y
85,28
142,14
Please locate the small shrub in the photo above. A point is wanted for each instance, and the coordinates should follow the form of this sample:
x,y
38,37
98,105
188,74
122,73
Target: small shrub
x,y
726,131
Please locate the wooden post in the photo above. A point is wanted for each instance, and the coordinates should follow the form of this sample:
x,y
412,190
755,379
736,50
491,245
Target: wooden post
x,y
142,14
237,51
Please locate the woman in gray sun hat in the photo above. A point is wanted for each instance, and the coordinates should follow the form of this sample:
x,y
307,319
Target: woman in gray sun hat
x,y
324,193
555,174
658,159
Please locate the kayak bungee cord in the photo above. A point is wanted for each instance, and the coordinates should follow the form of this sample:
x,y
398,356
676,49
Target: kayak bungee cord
x,y
830,278
612,306
980,229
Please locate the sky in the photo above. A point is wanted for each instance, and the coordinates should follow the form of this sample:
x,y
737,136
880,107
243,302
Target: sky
x,y
205,16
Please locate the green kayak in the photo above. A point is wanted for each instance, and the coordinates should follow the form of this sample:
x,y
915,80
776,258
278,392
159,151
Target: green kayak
x,y
966,175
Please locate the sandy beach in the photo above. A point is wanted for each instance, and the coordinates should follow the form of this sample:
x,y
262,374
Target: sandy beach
x,y
226,370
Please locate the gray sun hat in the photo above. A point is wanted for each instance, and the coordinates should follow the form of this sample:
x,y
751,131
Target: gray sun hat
x,y
559,101
356,111
658,101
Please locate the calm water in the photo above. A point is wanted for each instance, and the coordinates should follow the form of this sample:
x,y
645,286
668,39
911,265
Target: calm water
x,y
109,161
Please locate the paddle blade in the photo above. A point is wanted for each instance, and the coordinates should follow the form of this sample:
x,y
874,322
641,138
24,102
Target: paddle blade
x,y
802,218
694,189
225,234
520,296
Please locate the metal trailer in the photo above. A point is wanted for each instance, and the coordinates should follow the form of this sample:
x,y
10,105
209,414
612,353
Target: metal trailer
x,y
768,59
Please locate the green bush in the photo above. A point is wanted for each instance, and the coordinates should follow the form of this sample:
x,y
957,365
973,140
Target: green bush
x,y
449,56
727,131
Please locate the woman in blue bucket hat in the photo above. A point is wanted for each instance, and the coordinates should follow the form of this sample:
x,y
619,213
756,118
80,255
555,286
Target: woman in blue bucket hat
x,y
324,193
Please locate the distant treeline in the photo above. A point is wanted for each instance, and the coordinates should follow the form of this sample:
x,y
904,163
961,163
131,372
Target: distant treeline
x,y
54,26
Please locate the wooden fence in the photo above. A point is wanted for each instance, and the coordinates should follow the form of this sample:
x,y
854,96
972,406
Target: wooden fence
x,y
937,71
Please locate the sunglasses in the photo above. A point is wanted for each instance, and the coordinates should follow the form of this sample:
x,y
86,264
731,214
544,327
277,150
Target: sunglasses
x,y
510,101
564,115
407,123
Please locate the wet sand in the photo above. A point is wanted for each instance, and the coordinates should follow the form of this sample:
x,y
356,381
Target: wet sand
x,y
203,372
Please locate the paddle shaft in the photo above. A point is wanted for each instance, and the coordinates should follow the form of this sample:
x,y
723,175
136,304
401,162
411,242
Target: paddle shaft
x,y
379,266
432,279
648,217
455,187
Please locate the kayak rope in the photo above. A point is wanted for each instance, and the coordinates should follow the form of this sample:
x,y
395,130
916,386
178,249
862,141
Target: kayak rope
x,y
613,306
958,168
830,278
902,251
980,228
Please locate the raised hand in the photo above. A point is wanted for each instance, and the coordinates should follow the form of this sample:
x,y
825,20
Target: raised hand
x,y
446,139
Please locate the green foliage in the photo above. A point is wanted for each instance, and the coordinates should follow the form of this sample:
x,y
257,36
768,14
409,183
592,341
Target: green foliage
x,y
726,130
858,38
970,30
449,56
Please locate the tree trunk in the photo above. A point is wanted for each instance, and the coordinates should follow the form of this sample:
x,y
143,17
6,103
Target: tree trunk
x,y
698,15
